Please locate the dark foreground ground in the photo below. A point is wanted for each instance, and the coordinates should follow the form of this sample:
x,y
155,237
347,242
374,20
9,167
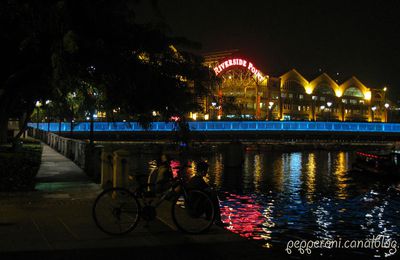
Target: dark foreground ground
x,y
54,222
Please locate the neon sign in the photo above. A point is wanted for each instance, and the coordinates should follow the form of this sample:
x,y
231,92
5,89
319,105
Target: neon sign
x,y
241,63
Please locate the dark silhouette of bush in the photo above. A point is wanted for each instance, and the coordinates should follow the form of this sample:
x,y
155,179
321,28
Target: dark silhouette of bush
x,y
18,169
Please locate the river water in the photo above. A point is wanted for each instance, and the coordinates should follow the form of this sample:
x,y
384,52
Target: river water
x,y
277,197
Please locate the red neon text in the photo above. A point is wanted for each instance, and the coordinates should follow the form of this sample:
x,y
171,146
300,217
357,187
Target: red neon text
x,y
239,62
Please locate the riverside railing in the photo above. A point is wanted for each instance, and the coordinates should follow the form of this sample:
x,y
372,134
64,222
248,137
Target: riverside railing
x,y
225,126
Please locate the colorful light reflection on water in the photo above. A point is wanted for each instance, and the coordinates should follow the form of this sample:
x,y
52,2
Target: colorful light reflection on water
x,y
276,197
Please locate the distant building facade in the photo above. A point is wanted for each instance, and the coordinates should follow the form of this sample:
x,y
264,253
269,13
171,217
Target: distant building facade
x,y
245,92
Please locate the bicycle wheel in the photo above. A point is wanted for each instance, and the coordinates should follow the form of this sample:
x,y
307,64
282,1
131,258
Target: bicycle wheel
x,y
193,214
116,211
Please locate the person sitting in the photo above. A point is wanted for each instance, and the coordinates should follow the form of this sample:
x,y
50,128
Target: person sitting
x,y
160,177
197,182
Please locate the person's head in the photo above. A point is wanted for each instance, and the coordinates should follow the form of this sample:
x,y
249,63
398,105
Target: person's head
x,y
202,168
164,158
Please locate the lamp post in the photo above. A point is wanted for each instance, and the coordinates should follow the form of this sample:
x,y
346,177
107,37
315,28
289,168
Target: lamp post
x,y
271,103
213,108
37,105
386,111
313,108
373,110
322,108
329,104
48,114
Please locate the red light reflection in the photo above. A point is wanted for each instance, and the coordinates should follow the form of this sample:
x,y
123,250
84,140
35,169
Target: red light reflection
x,y
244,216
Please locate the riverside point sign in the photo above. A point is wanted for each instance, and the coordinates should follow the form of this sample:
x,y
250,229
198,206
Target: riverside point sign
x,y
227,64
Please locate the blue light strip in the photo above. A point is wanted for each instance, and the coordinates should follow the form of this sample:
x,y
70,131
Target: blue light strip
x,y
228,126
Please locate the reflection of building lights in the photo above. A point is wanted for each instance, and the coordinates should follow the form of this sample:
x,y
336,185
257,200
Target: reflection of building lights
x,y
257,172
311,169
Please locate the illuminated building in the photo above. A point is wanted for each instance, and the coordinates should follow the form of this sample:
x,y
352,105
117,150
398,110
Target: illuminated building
x,y
244,91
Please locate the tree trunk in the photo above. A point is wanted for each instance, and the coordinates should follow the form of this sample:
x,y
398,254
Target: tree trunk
x,y
23,126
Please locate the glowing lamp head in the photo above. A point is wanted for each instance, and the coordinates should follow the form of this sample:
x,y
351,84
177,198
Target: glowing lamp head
x,y
367,95
387,105
384,89
338,93
309,89
373,108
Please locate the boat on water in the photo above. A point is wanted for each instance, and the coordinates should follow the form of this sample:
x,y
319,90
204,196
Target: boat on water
x,y
383,163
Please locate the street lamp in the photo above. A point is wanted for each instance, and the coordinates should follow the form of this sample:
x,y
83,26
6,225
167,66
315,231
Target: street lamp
x,y
48,114
322,108
373,110
329,104
386,112
271,103
37,105
213,109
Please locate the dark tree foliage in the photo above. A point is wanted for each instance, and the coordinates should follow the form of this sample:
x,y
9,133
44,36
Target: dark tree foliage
x,y
96,49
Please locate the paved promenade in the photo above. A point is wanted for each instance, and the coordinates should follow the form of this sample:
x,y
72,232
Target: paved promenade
x,y
55,222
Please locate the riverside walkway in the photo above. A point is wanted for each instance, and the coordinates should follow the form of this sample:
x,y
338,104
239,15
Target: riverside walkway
x,y
55,222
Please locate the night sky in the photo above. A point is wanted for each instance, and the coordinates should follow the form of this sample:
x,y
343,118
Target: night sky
x,y
360,38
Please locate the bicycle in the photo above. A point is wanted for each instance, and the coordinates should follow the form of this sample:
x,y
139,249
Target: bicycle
x,y
117,211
